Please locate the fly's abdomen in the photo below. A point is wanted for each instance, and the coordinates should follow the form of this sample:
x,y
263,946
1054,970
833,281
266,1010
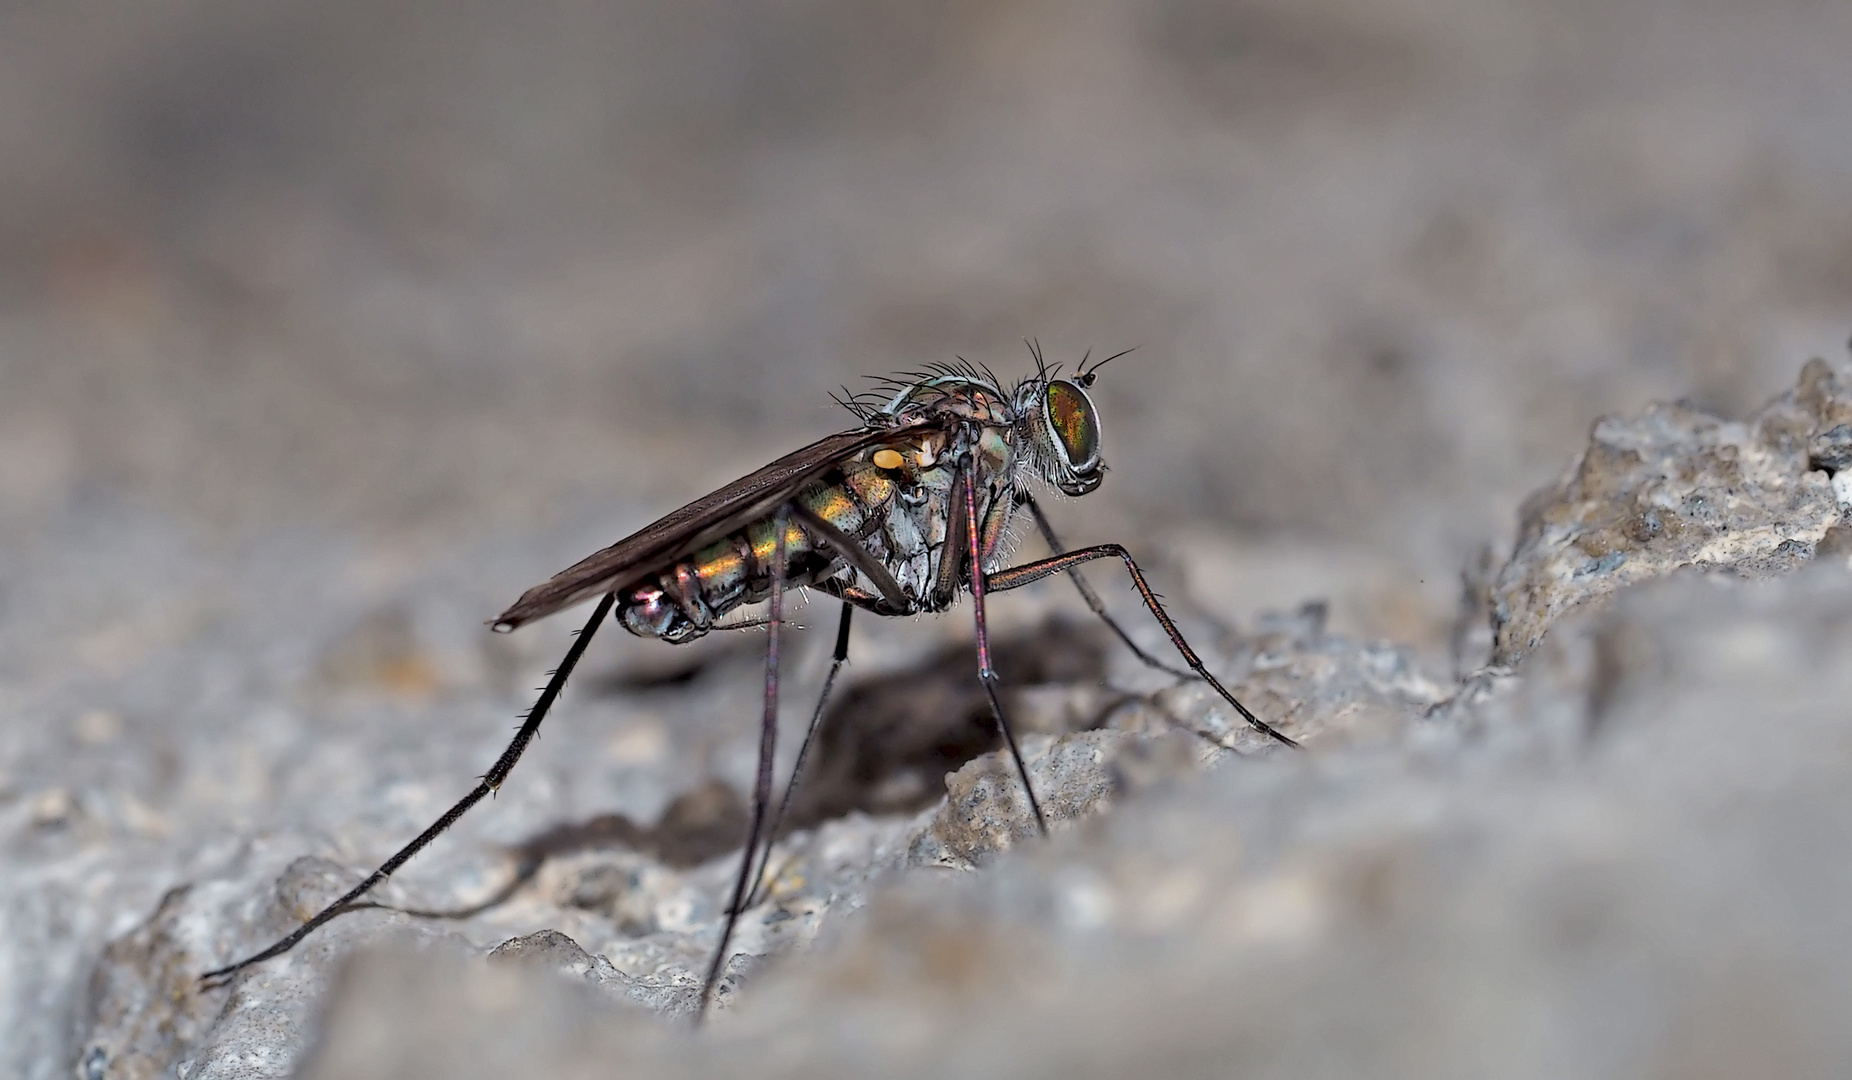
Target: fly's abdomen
x,y
688,598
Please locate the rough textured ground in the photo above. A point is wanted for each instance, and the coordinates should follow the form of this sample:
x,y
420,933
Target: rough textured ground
x,y
1677,488
1578,877
1432,833
326,328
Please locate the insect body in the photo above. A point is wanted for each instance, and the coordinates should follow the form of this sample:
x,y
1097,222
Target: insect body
x,y
897,517
885,501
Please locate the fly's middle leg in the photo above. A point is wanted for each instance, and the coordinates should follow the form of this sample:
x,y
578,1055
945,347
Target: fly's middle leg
x,y
837,659
768,748
986,673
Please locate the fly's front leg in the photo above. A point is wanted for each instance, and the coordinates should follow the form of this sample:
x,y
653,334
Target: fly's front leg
x,y
1018,576
1092,598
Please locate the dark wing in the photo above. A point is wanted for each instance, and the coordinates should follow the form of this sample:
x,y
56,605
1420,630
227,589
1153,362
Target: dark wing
x,y
693,526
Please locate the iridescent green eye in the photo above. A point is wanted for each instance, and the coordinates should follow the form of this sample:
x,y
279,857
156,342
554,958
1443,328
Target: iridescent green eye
x,y
1076,427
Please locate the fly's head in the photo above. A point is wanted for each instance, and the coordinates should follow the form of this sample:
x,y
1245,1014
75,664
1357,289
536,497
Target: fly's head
x,y
1056,418
1045,426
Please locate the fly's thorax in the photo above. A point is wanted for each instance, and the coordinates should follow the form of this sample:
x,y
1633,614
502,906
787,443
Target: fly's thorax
x,y
952,396
925,468
902,491
980,424
1044,426
896,499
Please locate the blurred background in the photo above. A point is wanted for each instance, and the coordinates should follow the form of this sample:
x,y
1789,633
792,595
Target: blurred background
x,y
328,326
456,269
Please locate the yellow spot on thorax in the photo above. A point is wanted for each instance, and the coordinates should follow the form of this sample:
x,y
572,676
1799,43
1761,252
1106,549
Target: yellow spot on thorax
x,y
888,459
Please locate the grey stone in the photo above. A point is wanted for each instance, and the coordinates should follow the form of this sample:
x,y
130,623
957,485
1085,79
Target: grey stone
x,y
1672,488
1640,891
1221,852
327,328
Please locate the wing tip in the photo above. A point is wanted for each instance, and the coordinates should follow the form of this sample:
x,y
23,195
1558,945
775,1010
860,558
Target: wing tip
x,y
541,601
513,619
533,604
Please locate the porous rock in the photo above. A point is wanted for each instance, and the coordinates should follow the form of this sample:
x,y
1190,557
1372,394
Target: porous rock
x,y
1608,875
623,921
1676,487
1288,912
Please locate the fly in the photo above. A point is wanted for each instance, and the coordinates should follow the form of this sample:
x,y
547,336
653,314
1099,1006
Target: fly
x,y
898,516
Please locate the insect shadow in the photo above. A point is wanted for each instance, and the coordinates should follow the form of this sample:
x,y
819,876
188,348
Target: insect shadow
x,y
883,747
887,744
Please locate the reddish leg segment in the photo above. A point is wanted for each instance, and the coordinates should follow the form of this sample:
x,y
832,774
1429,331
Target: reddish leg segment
x,y
985,673
1092,598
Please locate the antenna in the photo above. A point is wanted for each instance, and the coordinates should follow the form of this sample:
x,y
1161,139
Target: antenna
x,y
1088,374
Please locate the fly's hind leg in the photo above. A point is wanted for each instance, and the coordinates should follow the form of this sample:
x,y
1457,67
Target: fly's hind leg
x,y
491,782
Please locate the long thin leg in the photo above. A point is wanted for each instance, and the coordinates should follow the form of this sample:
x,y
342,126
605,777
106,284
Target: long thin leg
x,y
1018,576
491,782
985,673
768,747
837,659
1092,598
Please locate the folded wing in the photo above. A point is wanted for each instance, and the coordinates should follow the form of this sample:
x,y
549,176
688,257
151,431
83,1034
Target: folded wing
x,y
694,526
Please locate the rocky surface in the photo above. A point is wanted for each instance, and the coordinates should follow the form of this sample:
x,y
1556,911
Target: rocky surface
x,y
1678,487
327,326
638,918
1588,874
1428,835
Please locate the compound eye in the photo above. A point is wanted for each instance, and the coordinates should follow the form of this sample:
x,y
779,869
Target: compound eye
x,y
1076,426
